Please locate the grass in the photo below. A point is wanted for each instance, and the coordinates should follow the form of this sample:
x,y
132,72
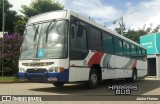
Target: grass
x,y
9,80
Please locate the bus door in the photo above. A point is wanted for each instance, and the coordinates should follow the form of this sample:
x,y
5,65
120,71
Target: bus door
x,y
78,51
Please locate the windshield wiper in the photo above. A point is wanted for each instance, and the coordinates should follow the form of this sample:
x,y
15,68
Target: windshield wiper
x,y
36,31
55,21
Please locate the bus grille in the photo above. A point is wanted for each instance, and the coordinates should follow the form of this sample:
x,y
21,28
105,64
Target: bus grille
x,y
38,64
36,71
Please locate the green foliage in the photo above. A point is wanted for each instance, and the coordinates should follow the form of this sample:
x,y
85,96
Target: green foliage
x,y
41,6
20,24
10,16
9,47
156,29
37,7
8,79
118,30
135,34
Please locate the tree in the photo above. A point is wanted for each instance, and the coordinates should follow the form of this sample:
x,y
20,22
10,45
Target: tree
x,y
41,6
10,44
122,26
10,16
20,24
118,29
135,34
156,29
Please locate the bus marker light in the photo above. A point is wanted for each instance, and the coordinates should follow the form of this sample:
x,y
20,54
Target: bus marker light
x,y
59,69
21,70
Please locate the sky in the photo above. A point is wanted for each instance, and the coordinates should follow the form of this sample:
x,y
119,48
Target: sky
x,y
137,14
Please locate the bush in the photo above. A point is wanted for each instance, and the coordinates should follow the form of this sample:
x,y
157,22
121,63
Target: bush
x,y
10,51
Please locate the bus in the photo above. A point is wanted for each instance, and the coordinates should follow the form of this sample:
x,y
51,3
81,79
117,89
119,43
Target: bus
x,y
63,46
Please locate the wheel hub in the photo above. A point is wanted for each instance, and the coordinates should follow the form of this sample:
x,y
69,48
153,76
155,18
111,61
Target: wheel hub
x,y
94,78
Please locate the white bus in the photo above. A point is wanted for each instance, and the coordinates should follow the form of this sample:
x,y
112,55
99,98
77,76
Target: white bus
x,y
63,46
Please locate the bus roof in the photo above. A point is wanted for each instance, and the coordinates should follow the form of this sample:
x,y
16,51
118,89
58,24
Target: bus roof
x,y
48,16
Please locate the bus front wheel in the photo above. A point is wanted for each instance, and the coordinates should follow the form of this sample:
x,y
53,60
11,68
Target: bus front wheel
x,y
58,84
93,79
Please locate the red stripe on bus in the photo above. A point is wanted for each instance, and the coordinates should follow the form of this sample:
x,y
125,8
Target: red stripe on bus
x,y
95,59
134,64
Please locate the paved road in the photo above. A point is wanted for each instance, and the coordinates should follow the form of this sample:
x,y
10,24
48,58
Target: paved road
x,y
145,87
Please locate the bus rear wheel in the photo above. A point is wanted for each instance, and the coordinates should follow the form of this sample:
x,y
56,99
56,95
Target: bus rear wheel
x,y
58,84
134,77
93,79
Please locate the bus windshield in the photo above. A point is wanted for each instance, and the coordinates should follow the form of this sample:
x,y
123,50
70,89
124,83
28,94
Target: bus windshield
x,y
45,40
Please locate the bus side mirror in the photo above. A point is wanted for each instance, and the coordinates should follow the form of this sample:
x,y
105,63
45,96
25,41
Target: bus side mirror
x,y
80,31
72,32
20,29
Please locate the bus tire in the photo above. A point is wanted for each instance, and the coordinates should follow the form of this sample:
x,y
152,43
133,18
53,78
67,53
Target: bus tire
x,y
58,84
134,77
93,79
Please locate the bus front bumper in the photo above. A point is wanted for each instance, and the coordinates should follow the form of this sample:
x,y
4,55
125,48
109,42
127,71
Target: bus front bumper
x,y
45,77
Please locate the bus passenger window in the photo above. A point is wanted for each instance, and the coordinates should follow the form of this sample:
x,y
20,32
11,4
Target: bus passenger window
x,y
133,51
126,48
108,46
95,39
118,46
144,55
78,42
139,53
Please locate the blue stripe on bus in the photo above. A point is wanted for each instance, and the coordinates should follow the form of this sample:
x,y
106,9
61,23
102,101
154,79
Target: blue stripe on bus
x,y
63,76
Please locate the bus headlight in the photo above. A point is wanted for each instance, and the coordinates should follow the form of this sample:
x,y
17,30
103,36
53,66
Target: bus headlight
x,y
21,70
56,69
51,70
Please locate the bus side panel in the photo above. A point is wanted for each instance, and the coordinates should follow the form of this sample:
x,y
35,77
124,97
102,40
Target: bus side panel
x,y
108,66
78,74
123,67
108,73
139,68
79,69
